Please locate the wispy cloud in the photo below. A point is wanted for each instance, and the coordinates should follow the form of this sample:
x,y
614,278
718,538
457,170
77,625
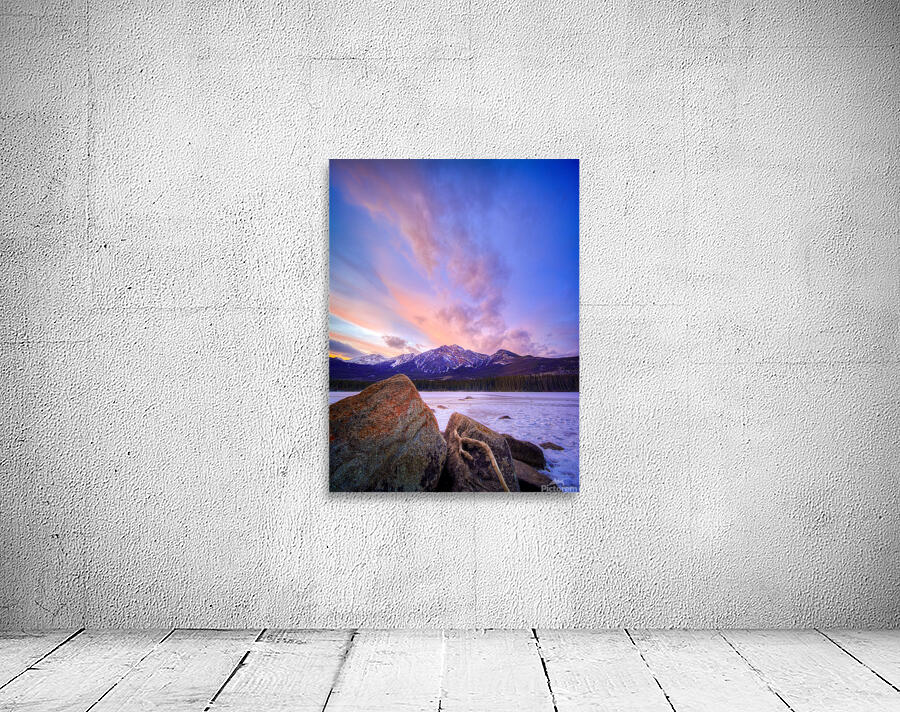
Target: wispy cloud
x,y
430,219
439,272
395,342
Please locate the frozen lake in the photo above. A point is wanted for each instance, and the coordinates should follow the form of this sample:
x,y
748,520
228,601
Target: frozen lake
x,y
536,417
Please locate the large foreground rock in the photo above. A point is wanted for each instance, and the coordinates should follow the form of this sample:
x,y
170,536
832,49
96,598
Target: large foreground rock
x,y
384,439
527,452
476,474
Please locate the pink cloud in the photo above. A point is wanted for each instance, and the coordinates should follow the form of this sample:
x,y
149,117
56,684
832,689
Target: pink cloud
x,y
468,308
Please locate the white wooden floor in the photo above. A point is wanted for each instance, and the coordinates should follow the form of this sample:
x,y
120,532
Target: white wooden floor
x,y
450,671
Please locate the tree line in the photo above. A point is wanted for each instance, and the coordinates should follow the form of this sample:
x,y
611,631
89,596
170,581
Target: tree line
x,y
540,382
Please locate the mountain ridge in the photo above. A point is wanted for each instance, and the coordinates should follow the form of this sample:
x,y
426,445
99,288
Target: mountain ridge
x,y
450,362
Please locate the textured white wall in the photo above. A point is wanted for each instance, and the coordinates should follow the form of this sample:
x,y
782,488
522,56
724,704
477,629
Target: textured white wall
x,y
164,252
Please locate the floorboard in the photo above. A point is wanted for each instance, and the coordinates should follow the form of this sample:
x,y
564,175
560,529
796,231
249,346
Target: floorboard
x,y
79,672
498,670
450,671
878,650
183,673
390,671
21,650
701,672
286,671
599,671
812,674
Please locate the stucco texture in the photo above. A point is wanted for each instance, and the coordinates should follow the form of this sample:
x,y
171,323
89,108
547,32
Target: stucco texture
x,y
164,283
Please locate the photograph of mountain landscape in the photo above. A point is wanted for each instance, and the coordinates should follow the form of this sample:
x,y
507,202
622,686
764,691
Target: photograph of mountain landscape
x,y
453,320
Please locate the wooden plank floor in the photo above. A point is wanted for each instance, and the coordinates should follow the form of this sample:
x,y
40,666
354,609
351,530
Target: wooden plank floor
x,y
450,671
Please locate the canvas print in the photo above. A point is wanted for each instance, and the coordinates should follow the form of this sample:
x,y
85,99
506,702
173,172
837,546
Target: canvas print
x,y
453,309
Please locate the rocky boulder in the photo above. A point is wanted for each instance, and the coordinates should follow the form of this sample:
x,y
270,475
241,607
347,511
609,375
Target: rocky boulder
x,y
527,452
384,439
469,467
530,480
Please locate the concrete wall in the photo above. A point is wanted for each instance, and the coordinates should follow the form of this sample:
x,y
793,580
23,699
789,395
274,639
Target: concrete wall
x,y
164,259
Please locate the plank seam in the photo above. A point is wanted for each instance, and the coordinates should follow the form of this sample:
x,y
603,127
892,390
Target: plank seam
x,y
757,671
340,667
441,690
234,670
841,647
540,652
650,670
131,669
40,659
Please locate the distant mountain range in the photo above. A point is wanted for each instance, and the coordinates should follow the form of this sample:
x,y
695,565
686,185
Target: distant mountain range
x,y
451,363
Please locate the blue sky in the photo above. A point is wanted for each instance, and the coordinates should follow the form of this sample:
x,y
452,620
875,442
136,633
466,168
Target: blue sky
x,y
483,254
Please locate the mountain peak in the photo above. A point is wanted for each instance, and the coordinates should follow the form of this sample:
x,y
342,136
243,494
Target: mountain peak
x,y
451,361
441,359
501,357
369,359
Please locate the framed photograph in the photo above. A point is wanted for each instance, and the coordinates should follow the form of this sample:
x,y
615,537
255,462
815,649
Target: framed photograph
x,y
453,316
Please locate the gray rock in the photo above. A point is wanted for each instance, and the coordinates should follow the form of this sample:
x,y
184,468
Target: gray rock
x,y
530,480
526,452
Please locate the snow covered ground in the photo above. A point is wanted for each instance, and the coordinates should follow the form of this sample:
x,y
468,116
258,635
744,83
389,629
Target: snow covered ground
x,y
536,417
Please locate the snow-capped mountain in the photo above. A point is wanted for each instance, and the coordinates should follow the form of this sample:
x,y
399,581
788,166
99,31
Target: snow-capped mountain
x,y
402,359
449,362
501,357
439,360
369,359
445,358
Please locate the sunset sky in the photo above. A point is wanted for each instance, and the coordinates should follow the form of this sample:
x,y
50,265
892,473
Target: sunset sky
x,y
483,254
